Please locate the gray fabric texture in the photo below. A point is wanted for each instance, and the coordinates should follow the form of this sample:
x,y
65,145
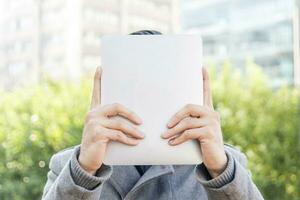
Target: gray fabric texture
x,y
67,181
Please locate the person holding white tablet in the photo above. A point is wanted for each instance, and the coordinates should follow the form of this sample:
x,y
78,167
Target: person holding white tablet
x,y
79,172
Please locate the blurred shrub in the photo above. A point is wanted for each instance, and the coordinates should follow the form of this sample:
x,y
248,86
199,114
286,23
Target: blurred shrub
x,y
264,124
37,122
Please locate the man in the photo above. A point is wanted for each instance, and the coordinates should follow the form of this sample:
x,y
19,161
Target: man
x,y
78,172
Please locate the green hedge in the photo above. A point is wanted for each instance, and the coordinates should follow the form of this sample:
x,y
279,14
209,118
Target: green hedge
x,y
38,121
35,123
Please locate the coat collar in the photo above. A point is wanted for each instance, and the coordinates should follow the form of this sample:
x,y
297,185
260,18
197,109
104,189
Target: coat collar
x,y
126,179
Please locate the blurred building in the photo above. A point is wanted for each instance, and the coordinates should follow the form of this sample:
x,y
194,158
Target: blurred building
x,y
297,43
261,30
61,38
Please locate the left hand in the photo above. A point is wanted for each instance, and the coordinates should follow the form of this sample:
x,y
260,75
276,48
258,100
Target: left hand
x,y
203,124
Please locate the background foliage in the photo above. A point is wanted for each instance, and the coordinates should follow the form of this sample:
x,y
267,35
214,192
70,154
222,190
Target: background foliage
x,y
38,121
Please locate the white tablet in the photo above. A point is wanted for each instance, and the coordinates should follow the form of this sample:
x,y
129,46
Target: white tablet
x,y
155,76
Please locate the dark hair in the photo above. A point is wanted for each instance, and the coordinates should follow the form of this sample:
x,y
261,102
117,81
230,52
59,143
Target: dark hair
x,y
146,32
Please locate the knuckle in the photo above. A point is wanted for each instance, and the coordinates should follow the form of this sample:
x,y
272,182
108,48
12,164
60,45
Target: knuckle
x,y
205,110
127,140
119,136
188,122
217,115
99,134
91,123
214,123
121,125
189,106
116,106
113,135
96,129
89,116
118,123
185,135
216,118
209,130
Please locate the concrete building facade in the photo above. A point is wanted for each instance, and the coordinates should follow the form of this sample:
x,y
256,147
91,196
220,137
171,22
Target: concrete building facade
x,y
60,39
296,39
260,30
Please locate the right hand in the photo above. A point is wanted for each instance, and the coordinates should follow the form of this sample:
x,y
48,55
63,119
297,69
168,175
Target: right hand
x,y
101,126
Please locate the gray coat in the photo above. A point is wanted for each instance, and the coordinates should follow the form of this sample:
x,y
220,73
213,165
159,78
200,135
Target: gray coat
x,y
68,181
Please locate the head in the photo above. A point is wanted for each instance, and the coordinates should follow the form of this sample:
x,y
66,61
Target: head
x,y
146,32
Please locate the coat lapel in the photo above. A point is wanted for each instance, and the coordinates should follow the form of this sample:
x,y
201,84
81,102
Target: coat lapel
x,y
123,178
126,179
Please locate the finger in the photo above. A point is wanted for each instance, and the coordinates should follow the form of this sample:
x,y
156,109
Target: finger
x,y
207,99
118,109
186,123
124,126
118,136
188,110
190,134
96,96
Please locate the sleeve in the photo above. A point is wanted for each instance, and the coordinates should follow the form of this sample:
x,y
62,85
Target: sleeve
x,y
234,183
71,182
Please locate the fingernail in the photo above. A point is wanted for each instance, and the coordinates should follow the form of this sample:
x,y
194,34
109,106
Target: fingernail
x,y
171,123
99,69
165,134
142,133
171,141
139,120
98,72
